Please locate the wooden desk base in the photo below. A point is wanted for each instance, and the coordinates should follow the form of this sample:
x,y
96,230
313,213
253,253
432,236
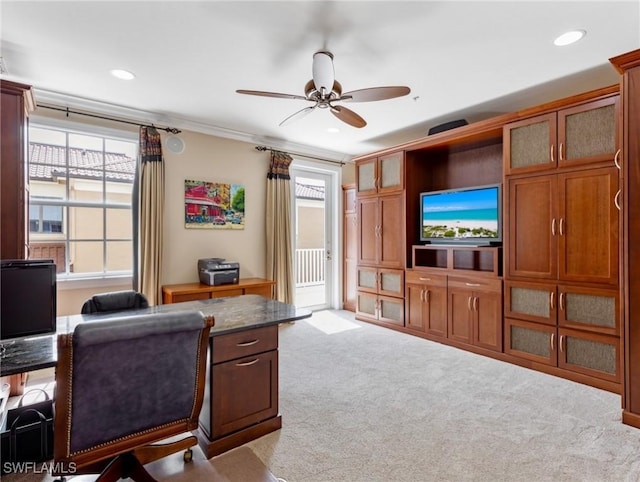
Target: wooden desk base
x,y
211,448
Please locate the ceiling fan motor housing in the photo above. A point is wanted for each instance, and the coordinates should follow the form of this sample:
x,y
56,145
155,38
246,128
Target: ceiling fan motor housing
x,y
323,73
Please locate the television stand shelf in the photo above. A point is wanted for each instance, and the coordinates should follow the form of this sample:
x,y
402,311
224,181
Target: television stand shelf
x,y
476,259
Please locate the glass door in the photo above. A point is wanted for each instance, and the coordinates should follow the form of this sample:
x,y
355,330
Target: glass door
x,y
313,238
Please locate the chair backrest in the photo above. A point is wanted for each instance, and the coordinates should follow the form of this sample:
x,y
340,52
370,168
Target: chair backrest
x,y
114,301
128,382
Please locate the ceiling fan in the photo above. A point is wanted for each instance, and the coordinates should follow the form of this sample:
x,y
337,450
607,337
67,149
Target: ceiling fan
x,y
324,91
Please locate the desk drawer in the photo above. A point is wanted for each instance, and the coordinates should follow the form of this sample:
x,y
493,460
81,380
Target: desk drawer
x,y
244,343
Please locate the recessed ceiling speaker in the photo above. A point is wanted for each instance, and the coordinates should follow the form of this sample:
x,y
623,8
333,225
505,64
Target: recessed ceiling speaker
x,y
175,144
447,126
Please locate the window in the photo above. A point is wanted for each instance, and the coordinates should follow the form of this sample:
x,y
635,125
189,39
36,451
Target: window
x,y
80,193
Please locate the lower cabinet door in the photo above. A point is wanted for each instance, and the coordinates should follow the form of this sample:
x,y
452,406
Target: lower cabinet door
x,y
532,341
487,330
426,309
590,353
391,310
460,315
246,392
367,305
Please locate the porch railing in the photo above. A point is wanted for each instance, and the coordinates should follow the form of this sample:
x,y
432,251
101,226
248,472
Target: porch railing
x,y
309,267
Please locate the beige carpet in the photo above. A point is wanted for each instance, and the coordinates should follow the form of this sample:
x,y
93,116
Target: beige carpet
x,y
362,403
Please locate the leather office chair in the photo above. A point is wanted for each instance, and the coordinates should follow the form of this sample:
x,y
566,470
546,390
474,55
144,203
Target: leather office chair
x,y
114,301
126,383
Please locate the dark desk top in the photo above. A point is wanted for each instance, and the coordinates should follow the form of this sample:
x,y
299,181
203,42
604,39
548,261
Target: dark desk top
x,y
236,313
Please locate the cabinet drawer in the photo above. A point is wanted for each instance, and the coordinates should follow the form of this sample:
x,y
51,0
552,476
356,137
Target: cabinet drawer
x,y
231,292
244,343
425,277
202,295
475,283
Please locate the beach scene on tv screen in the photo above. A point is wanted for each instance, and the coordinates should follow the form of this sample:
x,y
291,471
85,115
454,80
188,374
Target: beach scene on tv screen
x,y
459,215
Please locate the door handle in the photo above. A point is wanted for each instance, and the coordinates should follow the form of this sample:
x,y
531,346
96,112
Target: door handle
x,y
616,200
616,159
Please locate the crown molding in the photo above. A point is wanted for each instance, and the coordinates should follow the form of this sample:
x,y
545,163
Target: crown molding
x,y
58,99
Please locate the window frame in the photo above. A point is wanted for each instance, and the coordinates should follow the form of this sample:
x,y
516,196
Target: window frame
x,y
97,279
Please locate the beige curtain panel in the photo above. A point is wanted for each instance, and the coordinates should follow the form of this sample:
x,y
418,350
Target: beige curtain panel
x,y
151,215
278,225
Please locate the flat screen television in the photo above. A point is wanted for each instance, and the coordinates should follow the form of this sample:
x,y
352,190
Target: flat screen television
x,y
27,298
469,215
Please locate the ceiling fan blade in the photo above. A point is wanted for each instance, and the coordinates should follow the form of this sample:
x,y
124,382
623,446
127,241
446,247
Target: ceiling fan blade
x,y
323,73
375,93
298,115
271,94
348,116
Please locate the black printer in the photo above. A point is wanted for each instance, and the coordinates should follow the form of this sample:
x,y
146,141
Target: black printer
x,y
217,271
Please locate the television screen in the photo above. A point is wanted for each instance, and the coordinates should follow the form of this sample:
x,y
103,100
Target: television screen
x,y
27,298
469,215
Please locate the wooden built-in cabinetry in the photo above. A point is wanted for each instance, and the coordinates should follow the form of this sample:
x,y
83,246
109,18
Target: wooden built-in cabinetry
x,y
455,293
562,231
16,102
380,221
548,297
628,65
349,247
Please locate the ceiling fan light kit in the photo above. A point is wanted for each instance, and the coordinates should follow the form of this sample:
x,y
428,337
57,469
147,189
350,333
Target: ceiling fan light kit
x,y
324,90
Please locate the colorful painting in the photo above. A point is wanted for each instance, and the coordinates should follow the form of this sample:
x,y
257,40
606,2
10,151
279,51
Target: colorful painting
x,y
213,205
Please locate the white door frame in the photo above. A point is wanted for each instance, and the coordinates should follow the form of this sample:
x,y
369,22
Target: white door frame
x,y
333,225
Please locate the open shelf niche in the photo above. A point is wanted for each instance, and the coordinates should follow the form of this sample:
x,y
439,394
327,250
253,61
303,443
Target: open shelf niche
x,y
454,164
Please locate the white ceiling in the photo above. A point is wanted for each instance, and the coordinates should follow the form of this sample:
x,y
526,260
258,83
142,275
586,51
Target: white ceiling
x,y
470,60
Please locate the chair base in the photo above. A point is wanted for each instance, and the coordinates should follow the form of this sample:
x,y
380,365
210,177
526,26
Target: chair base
x,y
131,464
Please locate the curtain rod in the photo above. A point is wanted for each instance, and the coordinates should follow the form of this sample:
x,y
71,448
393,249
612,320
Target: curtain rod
x,y
68,111
265,148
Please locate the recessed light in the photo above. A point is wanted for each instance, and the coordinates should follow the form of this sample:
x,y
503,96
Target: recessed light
x,y
333,130
568,38
122,74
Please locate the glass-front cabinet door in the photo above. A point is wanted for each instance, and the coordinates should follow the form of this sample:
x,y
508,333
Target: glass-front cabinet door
x,y
530,144
531,302
589,309
589,353
532,341
588,132
366,176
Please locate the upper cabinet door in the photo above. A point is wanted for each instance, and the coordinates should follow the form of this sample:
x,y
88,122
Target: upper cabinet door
x,y
530,144
366,176
587,133
380,175
588,226
533,226
390,173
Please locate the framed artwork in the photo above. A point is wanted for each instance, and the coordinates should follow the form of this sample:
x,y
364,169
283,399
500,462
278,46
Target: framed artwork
x,y
213,205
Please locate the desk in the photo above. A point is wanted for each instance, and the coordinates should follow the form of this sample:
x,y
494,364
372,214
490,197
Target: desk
x,y
238,320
